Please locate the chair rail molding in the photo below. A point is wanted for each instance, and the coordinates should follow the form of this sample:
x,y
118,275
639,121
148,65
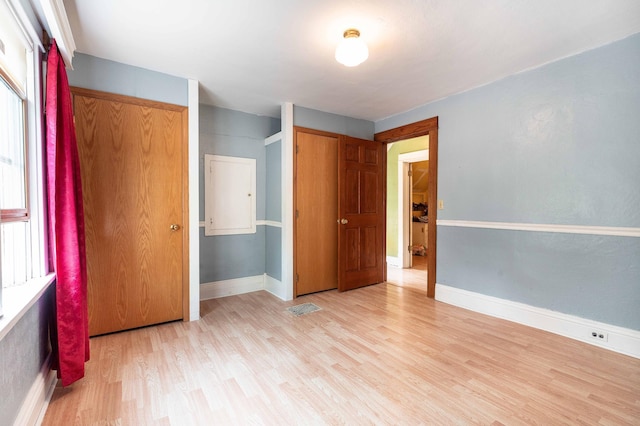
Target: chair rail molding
x,y
535,227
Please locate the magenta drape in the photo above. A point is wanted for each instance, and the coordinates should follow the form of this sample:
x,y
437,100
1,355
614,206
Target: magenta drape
x,y
70,336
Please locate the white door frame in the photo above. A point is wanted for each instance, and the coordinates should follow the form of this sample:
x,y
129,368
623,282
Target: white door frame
x,y
404,203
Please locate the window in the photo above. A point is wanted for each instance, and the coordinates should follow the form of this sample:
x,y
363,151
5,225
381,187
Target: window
x,y
22,231
13,171
14,213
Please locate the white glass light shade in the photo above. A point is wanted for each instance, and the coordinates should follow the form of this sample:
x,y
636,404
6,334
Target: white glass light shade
x,y
352,50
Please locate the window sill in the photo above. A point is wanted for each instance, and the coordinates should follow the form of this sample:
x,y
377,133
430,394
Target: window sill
x,y
17,300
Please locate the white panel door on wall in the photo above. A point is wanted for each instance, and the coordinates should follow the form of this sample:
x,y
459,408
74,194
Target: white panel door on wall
x,y
230,195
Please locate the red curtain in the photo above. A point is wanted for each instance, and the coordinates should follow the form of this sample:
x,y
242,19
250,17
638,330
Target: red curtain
x,y
70,337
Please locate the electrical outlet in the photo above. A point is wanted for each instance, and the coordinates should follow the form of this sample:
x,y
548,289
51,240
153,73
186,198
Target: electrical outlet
x,y
599,335
440,204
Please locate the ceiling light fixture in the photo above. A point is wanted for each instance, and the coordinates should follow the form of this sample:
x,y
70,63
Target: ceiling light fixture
x,y
351,50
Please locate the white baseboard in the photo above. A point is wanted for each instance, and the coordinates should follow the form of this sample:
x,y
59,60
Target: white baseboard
x,y
37,400
216,289
617,339
275,287
394,261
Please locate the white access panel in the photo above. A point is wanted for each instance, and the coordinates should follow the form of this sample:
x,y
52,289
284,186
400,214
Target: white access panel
x,y
230,195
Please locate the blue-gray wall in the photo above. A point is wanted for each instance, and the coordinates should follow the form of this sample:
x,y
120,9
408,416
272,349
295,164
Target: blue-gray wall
x,y
90,72
319,120
23,352
274,181
273,253
236,134
554,145
274,210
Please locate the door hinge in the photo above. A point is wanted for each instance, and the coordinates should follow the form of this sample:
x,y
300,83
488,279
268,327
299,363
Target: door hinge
x,y
408,248
409,173
297,149
297,277
297,214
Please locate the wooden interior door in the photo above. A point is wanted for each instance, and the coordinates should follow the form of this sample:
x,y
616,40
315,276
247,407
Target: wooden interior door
x,y
316,211
361,232
132,159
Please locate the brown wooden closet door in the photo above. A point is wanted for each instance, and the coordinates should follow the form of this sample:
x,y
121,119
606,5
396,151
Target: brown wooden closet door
x,y
316,203
131,157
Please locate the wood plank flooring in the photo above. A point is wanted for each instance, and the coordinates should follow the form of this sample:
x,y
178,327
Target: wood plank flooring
x,y
414,277
383,354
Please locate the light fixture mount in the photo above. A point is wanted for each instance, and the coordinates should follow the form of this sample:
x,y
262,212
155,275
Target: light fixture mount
x,y
352,50
351,32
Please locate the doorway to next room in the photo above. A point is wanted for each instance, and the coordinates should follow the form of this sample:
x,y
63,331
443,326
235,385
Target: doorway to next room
x,y
407,213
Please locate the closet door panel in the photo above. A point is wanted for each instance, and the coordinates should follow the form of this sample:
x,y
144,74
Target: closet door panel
x,y
131,161
316,204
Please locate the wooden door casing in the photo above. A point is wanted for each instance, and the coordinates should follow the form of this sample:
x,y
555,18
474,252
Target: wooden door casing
x,y
316,211
413,130
133,165
361,207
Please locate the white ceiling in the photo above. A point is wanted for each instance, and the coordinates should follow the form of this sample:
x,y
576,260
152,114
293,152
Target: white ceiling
x,y
252,55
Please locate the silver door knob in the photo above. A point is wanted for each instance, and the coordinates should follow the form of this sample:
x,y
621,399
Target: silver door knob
x,y
174,227
344,221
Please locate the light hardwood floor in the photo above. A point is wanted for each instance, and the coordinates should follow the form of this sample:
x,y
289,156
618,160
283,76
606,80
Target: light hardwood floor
x,y
383,354
414,277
